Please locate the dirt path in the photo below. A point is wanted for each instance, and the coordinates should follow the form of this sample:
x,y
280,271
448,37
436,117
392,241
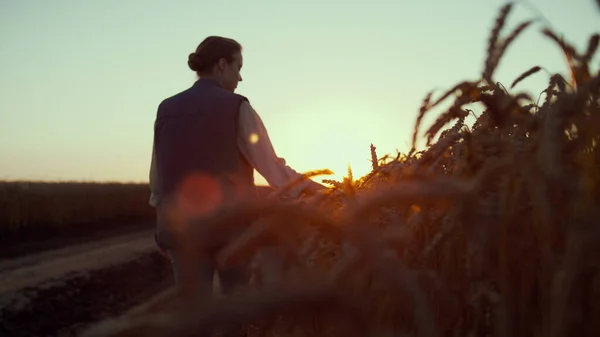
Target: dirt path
x,y
32,270
60,291
13,245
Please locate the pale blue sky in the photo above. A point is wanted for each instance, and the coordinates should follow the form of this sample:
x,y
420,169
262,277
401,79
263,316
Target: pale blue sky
x,y
81,80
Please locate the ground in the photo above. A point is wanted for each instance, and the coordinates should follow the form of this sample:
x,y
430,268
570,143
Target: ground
x,y
61,291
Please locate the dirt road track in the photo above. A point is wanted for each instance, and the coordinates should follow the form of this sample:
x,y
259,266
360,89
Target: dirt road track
x,y
55,293
31,270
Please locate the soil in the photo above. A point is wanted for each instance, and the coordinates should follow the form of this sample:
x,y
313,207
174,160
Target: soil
x,y
60,292
28,242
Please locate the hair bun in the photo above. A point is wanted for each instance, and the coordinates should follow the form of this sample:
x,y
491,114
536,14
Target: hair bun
x,y
210,51
194,62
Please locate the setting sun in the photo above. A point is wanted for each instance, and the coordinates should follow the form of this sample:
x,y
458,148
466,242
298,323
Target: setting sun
x,y
130,141
336,133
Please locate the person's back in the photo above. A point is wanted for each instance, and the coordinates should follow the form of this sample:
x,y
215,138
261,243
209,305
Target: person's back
x,y
197,165
196,143
207,143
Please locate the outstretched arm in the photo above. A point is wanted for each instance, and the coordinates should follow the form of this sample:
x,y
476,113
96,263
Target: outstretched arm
x,y
255,145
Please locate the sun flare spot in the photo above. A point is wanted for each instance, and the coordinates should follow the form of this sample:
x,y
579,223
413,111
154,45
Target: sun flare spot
x,y
253,138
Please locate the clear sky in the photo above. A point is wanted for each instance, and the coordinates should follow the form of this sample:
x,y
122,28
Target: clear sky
x,y
81,80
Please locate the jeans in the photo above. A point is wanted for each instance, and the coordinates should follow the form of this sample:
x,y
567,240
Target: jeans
x,y
229,278
206,265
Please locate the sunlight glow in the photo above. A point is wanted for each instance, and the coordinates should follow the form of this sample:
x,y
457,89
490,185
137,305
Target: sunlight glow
x,y
253,138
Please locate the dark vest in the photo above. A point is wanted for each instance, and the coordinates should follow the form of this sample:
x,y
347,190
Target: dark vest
x,y
196,144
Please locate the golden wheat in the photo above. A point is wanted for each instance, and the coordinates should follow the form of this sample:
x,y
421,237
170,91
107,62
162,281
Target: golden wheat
x,y
492,230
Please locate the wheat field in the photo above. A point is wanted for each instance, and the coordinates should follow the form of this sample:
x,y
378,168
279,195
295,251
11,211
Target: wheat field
x,y
492,230
30,210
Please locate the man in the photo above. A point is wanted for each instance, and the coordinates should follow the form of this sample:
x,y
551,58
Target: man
x,y
207,143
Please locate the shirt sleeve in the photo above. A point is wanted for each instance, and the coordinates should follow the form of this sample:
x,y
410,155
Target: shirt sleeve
x,y
255,145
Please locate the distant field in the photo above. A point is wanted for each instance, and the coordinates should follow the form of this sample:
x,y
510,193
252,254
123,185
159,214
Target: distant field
x,y
39,210
29,210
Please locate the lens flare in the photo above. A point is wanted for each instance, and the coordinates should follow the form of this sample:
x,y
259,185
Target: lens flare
x,y
198,195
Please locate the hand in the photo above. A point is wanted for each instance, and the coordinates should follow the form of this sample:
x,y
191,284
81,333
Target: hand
x,y
314,188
